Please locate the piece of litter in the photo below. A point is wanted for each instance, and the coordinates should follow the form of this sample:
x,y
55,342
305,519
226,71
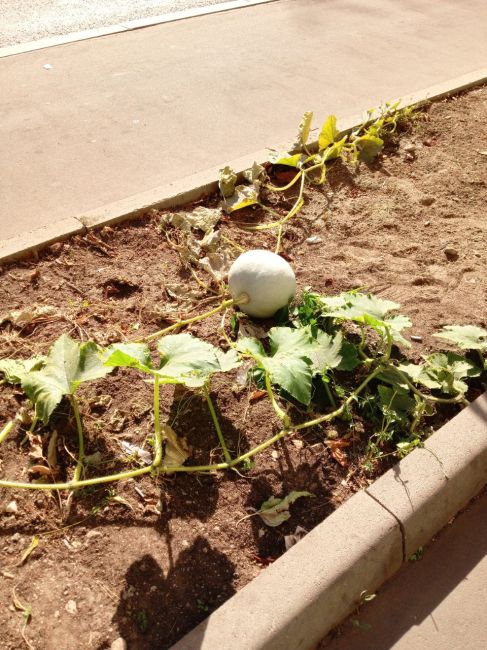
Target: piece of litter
x,y
314,239
133,450
291,540
47,66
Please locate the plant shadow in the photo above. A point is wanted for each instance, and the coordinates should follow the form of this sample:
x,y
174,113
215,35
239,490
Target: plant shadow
x,y
141,616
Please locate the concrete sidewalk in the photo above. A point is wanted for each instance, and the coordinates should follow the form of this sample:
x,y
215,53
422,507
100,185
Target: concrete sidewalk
x,y
436,603
125,113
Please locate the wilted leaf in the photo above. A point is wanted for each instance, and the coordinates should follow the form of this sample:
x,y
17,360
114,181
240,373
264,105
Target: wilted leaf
x,y
28,551
243,197
177,450
336,448
29,315
303,130
274,511
200,218
15,369
226,182
254,173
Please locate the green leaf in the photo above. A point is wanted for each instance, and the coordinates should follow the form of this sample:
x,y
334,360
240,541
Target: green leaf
x,y
226,181
228,360
290,160
248,345
444,372
466,337
334,150
274,511
391,376
350,358
15,370
369,147
68,364
328,133
326,353
186,360
395,404
289,366
128,355
243,196
369,310
354,306
304,129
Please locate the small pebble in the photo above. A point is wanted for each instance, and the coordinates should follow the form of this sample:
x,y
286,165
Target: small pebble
x,y
11,507
427,223
93,533
417,339
451,253
427,200
71,607
119,644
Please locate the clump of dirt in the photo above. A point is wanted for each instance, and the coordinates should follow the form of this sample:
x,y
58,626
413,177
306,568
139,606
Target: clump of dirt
x,y
148,559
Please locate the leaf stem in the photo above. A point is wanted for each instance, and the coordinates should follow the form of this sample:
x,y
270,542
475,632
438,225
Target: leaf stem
x,y
283,188
218,428
157,425
81,443
340,409
282,415
430,398
187,321
6,430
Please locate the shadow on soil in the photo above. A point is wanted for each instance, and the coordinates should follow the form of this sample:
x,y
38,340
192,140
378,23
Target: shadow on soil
x,y
141,616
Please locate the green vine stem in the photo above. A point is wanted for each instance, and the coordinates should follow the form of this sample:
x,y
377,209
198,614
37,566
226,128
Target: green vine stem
x,y
282,415
6,430
73,485
283,188
187,321
157,426
218,428
81,443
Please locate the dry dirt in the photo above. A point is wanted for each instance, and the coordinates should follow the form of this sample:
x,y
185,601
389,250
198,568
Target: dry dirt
x,y
411,228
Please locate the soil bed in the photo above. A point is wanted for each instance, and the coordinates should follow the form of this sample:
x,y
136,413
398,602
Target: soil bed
x,y
151,564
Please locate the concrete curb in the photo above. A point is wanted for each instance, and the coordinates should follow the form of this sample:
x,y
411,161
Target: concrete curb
x,y
296,601
126,26
192,188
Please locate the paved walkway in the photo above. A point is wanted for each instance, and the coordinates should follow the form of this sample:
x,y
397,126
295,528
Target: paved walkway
x,y
437,603
125,113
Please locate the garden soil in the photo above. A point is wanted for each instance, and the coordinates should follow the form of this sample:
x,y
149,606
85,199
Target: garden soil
x,y
147,560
